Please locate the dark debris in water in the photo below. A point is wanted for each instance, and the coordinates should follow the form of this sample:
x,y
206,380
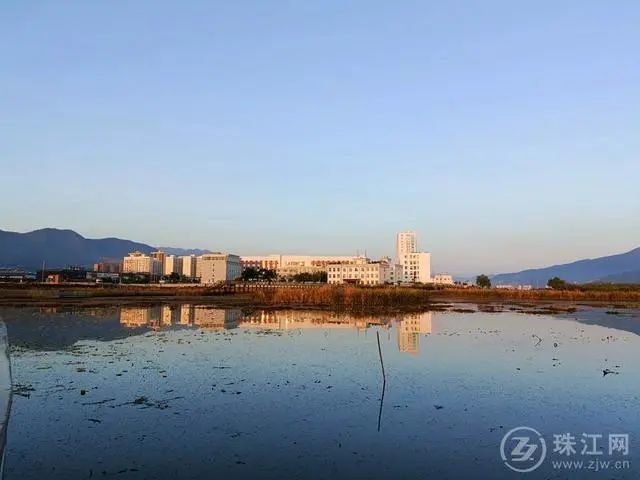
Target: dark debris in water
x,y
145,402
23,390
100,402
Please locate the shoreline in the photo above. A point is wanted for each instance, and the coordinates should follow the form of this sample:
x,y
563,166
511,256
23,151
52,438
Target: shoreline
x,y
351,299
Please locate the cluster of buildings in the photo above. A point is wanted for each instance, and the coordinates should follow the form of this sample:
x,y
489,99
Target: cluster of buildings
x,y
409,266
209,268
290,265
10,274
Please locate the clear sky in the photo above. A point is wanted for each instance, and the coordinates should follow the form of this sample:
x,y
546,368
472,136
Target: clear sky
x,y
506,133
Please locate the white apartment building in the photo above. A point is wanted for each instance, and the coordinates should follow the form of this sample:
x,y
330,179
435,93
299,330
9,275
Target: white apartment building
x,y
292,264
416,266
189,263
361,272
172,264
218,267
442,279
138,262
406,242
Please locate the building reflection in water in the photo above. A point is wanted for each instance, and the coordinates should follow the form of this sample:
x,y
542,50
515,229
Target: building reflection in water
x,y
134,317
409,330
409,327
158,317
215,318
292,319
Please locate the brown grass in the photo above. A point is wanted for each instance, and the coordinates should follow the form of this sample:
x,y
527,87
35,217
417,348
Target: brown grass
x,y
375,298
342,297
588,294
345,297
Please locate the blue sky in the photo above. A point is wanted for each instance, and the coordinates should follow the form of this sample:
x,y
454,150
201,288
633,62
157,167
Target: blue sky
x,y
505,133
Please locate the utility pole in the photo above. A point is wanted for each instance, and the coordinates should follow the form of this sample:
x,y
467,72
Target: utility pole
x,y
42,271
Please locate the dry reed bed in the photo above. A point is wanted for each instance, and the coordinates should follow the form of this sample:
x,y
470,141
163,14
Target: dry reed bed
x,y
367,298
353,298
587,295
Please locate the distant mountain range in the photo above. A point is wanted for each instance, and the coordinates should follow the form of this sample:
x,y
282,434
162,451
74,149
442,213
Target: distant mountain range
x,y
624,277
621,268
61,248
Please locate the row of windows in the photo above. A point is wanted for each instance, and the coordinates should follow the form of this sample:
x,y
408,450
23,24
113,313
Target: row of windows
x,y
363,281
353,269
357,275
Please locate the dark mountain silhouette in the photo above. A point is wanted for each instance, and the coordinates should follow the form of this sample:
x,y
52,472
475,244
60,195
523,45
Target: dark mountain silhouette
x,y
61,248
583,271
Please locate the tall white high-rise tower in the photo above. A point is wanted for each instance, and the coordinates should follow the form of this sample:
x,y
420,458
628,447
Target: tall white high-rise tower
x,y
416,266
406,242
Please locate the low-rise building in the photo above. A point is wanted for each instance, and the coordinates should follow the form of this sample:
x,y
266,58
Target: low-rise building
x,y
270,262
218,267
443,279
54,278
361,272
292,270
290,265
16,275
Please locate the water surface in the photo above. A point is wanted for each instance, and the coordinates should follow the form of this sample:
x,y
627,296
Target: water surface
x,y
193,392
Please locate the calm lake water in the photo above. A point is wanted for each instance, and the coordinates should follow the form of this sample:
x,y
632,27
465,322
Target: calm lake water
x,y
193,392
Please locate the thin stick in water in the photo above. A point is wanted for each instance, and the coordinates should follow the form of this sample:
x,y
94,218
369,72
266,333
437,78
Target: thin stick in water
x,y
384,380
384,377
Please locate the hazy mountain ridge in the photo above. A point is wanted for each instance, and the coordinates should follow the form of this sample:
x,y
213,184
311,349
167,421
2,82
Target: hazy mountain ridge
x,y
632,276
59,248
611,268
